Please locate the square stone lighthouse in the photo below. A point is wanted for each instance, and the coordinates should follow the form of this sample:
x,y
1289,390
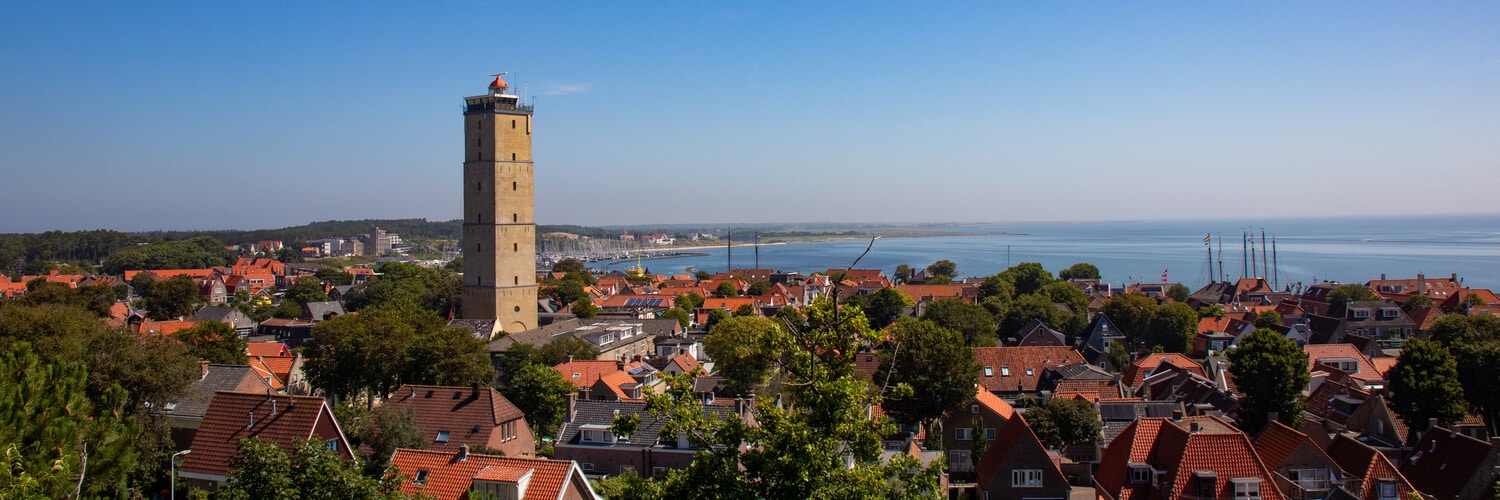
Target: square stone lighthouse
x,y
499,203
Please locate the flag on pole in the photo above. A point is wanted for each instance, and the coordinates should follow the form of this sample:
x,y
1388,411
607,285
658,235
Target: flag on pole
x,y
1163,275
1206,238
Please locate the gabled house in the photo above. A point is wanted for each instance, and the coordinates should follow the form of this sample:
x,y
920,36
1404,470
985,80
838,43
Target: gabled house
x,y
1373,476
1098,336
1117,415
1016,465
241,322
480,418
1195,457
185,415
1378,322
1345,358
959,430
1302,470
1037,333
232,416
1150,364
322,311
1011,372
1447,465
460,475
1377,425
1334,400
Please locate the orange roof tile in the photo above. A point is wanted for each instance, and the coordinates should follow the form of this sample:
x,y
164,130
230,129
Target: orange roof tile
x,y
584,373
456,409
1008,365
267,349
1146,365
447,477
232,417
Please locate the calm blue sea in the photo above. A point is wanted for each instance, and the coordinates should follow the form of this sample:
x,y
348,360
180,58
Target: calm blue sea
x,y
1346,249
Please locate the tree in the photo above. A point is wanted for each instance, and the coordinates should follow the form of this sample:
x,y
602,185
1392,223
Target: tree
x,y
942,267
981,442
52,432
575,270
726,289
561,349
585,308
1027,277
541,393
933,368
1424,384
1034,306
1178,292
683,318
289,255
261,469
885,305
1079,271
1339,298
1416,302
1271,372
940,279
448,356
564,291
1064,422
688,301
381,431
702,275
975,323
903,274
359,353
176,297
714,317
335,276
743,350
214,342
1118,357
1173,326
758,288
1475,343
1131,313
820,443
1268,319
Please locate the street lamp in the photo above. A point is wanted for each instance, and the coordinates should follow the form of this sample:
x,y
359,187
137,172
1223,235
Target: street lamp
x,y
173,480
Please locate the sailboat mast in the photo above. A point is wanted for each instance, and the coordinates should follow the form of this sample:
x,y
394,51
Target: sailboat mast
x,y
729,251
1222,276
1207,245
1264,269
1276,274
1245,254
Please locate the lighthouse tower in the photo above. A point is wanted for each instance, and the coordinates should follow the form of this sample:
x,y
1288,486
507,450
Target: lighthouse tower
x,y
499,226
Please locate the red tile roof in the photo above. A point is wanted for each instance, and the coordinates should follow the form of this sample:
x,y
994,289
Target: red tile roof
x,y
1366,373
233,416
1276,442
1442,461
584,373
1141,368
267,349
449,478
1008,365
994,403
457,410
686,362
1367,464
1181,449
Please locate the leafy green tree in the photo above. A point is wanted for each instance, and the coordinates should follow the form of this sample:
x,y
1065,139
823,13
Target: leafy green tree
x,y
998,288
1079,271
1271,372
714,317
744,351
1416,302
380,431
335,276
449,356
1131,313
791,318
96,298
541,393
261,469
455,266
289,255
1173,326
1211,311
804,447
1027,277
1178,292
354,353
903,274
726,289
683,318
214,342
435,290
1339,298
758,288
702,275
1063,422
941,279
1424,384
560,349
171,298
975,323
688,301
1118,357
575,269
1032,306
192,253
585,308
981,441
564,291
943,267
1475,343
1268,319
933,368
744,310
627,485
885,305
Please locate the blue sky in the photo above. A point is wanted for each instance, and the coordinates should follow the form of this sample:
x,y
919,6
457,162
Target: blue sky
x,y
166,115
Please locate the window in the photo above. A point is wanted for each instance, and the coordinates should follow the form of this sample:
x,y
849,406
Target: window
x,y
514,217
587,466
1005,371
989,372
512,185
1246,488
512,124
1140,473
959,460
442,437
479,247
1387,490
627,468
658,472
1026,478
1316,479
1028,372
512,157
1361,313
518,280
974,408
989,433
963,434
1208,484
515,247
479,186
421,478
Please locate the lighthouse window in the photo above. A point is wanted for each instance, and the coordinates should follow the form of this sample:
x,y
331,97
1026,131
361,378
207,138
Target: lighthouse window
x,y
479,247
479,186
515,247
512,185
512,124
514,218
518,280
512,157
478,280
518,308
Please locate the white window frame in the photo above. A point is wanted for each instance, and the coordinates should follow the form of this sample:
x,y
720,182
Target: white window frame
x,y
963,434
1005,371
442,437
1140,474
1026,478
1246,488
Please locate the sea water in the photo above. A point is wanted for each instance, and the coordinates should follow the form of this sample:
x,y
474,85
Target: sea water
x,y
1307,250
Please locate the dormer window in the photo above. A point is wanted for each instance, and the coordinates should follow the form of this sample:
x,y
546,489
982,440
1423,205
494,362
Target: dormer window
x,y
442,437
1140,473
989,371
1005,371
1361,313
1246,488
421,478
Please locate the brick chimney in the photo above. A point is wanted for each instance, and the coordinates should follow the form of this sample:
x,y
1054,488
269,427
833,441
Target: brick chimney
x,y
463,454
1421,283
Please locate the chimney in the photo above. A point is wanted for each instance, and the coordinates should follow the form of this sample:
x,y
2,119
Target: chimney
x,y
572,401
1432,423
1382,276
1193,427
620,364
273,407
251,416
568,358
463,454
202,370
1422,283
